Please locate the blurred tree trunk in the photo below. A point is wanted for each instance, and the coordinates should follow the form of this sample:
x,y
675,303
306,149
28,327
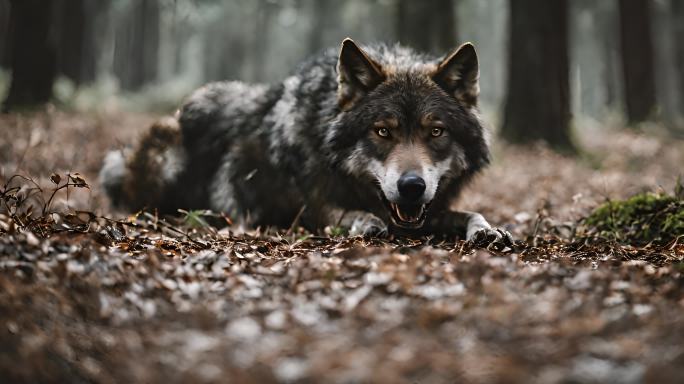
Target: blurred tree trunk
x,y
136,51
427,25
224,55
538,98
78,47
609,38
70,25
264,17
323,13
5,36
637,59
677,7
33,59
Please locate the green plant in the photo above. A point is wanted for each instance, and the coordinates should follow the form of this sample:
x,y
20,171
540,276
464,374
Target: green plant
x,y
640,219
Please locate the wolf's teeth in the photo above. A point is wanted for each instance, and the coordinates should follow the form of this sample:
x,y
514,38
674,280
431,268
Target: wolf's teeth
x,y
399,213
405,217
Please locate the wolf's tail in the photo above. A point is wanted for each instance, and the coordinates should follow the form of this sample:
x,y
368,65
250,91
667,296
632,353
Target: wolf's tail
x,y
145,177
112,175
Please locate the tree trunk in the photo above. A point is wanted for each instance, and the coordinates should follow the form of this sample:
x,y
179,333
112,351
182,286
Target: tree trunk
x,y
637,59
33,53
677,7
136,51
5,36
609,40
323,14
224,54
76,25
70,25
262,26
538,98
427,25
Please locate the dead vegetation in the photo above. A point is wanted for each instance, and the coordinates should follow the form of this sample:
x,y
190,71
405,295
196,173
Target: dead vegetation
x,y
91,295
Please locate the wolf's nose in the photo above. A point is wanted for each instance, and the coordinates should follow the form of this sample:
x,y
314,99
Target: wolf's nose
x,y
411,186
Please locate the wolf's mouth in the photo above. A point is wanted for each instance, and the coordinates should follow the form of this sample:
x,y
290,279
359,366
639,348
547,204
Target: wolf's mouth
x,y
408,215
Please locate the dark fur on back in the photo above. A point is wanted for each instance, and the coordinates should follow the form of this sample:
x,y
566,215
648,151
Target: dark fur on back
x,y
268,150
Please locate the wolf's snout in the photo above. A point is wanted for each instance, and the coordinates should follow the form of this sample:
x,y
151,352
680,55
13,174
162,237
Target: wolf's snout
x,y
411,186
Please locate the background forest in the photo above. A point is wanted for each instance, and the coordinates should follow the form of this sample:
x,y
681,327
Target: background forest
x,y
586,101
572,58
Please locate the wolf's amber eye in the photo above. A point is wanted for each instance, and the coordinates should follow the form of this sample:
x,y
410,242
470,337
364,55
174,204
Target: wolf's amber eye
x,y
382,132
436,131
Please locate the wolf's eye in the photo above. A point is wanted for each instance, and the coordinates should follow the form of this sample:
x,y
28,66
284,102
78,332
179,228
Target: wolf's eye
x,y
382,132
437,131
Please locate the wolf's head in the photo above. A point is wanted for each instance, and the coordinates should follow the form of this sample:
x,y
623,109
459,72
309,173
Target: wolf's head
x,y
409,126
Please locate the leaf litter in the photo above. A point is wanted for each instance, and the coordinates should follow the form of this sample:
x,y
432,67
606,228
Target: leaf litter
x,y
92,295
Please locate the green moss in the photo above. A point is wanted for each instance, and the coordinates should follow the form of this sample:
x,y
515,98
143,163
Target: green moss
x,y
643,218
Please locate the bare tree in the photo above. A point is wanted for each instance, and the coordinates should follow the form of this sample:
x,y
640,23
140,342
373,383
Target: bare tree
x,y
538,96
136,52
427,25
76,28
33,59
637,59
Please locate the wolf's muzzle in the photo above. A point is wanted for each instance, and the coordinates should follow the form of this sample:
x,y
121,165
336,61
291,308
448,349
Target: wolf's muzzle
x,y
411,186
409,211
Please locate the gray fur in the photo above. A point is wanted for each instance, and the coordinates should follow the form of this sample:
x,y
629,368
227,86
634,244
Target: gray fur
x,y
112,174
267,151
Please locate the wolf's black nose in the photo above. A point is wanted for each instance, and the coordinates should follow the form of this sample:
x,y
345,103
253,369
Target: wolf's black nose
x,y
411,186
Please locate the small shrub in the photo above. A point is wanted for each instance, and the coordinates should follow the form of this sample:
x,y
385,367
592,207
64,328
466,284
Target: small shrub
x,y
641,219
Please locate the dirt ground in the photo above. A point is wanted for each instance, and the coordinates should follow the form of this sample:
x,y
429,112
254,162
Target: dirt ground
x,y
102,297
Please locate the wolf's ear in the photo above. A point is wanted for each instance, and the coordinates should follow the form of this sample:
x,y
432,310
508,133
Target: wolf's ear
x,y
357,74
458,74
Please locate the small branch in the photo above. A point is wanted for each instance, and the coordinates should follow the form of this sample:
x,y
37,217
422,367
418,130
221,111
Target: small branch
x,y
295,222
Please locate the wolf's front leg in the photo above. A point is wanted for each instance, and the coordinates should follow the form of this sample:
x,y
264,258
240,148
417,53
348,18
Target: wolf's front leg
x,y
361,223
476,229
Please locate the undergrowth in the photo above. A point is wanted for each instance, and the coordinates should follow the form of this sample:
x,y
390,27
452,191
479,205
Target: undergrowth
x,y
640,219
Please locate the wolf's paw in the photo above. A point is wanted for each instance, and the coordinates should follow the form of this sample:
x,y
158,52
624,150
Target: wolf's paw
x,y
488,236
368,225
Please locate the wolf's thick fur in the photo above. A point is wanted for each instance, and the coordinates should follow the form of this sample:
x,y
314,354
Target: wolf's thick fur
x,y
340,135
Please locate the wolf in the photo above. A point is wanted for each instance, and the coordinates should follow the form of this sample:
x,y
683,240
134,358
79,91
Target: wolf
x,y
378,138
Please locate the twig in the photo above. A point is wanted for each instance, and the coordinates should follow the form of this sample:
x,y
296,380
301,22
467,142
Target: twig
x,y
295,222
67,185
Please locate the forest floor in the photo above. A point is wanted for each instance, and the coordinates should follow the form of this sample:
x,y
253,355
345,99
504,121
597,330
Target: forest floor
x,y
91,295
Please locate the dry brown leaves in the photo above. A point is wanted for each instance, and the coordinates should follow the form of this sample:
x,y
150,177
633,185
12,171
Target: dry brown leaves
x,y
85,298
